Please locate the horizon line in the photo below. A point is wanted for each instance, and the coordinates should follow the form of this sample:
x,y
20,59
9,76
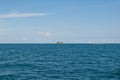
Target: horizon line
x,y
54,43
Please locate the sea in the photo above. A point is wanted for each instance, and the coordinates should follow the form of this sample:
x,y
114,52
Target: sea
x,y
59,61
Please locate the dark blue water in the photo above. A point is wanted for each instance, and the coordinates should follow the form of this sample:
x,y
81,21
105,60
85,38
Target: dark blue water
x,y
60,62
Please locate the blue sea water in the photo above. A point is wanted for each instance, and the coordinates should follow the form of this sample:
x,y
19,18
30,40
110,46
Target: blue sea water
x,y
59,61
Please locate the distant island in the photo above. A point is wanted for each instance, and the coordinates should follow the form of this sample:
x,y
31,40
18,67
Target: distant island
x,y
59,42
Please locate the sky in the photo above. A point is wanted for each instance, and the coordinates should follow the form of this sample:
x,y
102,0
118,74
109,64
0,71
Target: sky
x,y
49,21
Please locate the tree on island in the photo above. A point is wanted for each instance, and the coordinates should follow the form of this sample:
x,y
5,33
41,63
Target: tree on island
x,y
59,42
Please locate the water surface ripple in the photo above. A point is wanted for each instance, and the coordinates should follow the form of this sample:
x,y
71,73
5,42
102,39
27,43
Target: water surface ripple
x,y
60,62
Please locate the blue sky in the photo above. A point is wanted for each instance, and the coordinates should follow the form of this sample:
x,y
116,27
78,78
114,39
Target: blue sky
x,y
48,21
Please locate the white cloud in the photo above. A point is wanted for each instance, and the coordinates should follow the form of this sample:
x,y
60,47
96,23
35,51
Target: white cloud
x,y
18,15
3,31
45,34
24,39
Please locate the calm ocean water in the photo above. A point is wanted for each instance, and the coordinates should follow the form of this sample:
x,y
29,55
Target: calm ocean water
x,y
60,62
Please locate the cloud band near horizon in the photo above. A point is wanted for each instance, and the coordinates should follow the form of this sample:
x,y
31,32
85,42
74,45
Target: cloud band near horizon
x,y
19,15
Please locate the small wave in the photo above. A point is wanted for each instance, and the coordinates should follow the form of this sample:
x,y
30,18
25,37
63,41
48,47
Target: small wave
x,y
7,73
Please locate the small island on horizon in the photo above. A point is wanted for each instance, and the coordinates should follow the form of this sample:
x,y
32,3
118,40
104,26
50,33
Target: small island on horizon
x,y
59,42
